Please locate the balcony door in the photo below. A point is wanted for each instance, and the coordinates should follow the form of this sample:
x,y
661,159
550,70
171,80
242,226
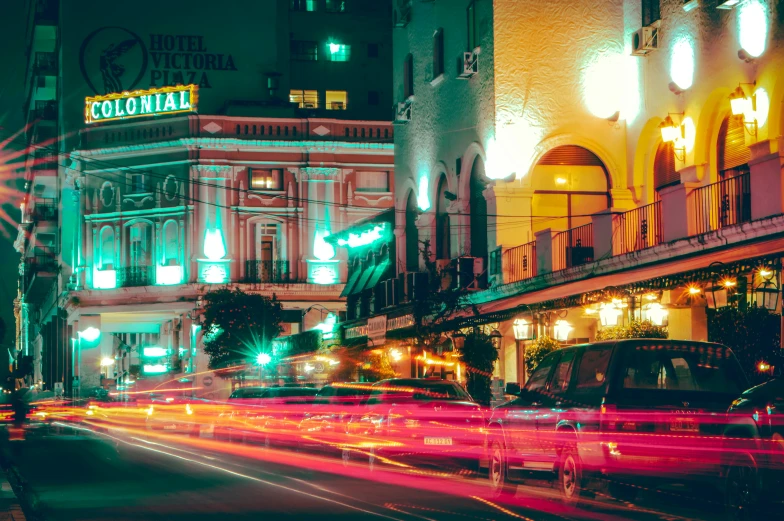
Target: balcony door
x,y
264,267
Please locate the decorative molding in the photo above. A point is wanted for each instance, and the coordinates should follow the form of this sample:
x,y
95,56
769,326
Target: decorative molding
x,y
242,193
139,203
266,201
372,202
176,190
318,171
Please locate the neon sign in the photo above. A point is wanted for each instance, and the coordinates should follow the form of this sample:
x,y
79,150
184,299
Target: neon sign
x,y
141,103
377,232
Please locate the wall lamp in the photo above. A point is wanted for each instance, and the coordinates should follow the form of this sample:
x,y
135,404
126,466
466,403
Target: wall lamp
x,y
674,133
745,106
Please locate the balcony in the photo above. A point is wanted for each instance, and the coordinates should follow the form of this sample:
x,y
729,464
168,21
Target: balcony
x,y
573,247
722,204
44,210
40,271
267,271
520,262
135,276
45,64
640,228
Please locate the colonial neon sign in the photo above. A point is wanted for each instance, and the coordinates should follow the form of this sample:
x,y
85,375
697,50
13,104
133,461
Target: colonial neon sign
x,y
141,103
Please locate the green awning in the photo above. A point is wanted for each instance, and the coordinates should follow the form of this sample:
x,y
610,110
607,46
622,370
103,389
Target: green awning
x,y
352,281
377,274
366,274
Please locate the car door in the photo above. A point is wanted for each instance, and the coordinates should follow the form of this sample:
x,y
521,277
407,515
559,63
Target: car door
x,y
518,418
555,406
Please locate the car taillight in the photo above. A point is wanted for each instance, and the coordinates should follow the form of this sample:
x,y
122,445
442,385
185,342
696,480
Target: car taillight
x,y
608,418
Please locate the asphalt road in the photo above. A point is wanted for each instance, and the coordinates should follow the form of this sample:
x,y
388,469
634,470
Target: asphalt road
x,y
83,476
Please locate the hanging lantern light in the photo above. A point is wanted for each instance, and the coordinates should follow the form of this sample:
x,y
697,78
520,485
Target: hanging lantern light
x,y
718,295
495,338
523,329
766,294
656,314
561,330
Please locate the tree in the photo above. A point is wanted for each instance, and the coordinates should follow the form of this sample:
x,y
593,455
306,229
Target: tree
x,y
238,326
535,353
635,329
479,355
753,334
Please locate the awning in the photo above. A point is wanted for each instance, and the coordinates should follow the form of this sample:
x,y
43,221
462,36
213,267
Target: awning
x,y
379,272
352,281
363,280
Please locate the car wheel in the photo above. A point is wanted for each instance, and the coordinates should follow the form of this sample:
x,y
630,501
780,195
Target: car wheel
x,y
741,491
570,476
497,473
622,491
346,457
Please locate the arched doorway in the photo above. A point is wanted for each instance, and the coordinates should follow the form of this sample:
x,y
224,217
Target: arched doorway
x,y
664,173
412,234
478,209
570,184
443,246
732,158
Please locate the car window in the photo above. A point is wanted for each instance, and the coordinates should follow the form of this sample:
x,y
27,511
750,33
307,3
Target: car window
x,y
592,369
539,377
682,368
287,393
563,373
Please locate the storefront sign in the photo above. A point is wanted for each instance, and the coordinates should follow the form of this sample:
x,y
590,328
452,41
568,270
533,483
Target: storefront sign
x,y
141,103
377,330
400,322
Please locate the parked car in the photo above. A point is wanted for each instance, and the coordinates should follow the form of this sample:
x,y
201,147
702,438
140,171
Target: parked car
x,y
754,451
264,414
616,413
414,420
176,415
323,426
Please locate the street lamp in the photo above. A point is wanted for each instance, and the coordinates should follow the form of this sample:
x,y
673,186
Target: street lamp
x,y
561,329
262,359
766,294
523,329
495,338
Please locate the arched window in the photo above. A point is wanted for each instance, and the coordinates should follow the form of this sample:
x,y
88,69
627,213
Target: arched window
x,y
478,210
732,154
664,173
412,234
443,231
106,249
171,244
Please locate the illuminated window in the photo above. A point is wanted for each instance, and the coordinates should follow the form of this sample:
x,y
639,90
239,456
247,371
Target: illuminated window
x,y
438,53
305,99
265,179
337,100
106,250
651,12
170,244
303,50
136,183
304,5
336,6
372,182
471,26
408,77
338,52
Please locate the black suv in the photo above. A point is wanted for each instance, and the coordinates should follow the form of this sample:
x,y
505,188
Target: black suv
x,y
754,451
625,411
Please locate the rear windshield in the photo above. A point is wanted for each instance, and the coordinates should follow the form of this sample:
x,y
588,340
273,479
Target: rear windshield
x,y
248,393
682,368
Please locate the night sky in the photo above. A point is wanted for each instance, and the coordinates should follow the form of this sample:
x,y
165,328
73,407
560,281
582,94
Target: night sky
x,y
12,27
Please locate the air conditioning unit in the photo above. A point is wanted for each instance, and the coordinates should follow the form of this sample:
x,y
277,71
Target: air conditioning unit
x,y
417,285
645,40
445,270
403,112
468,64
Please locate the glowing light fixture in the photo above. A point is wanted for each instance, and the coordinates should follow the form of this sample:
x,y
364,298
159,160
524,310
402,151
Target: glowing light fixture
x,y
676,134
155,351
766,289
104,279
365,237
214,246
263,359
694,290
753,27
91,334
106,361
560,181
154,368
309,368
682,63
753,107
327,327
214,274
168,275
423,198
522,329
322,250
334,48
562,329
609,314
656,314
395,355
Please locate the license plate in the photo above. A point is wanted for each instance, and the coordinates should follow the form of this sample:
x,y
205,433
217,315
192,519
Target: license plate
x,y
438,441
684,425
169,427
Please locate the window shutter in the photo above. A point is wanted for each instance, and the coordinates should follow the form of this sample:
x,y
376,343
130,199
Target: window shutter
x,y
664,173
732,151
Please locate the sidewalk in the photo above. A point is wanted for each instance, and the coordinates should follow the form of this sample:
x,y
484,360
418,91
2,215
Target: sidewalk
x,y
10,509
